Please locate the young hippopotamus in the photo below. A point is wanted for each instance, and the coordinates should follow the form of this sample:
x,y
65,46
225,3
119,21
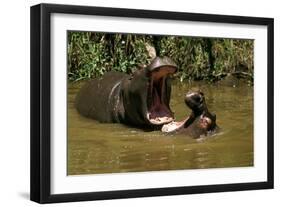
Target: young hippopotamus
x,y
199,123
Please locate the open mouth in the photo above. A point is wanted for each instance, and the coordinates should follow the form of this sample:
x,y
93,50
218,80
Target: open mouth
x,y
159,111
193,100
175,125
196,102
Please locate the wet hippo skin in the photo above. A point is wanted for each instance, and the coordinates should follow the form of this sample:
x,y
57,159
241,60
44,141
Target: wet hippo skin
x,y
141,99
199,123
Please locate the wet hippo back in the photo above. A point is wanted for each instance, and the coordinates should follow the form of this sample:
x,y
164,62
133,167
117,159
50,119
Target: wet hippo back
x,y
98,97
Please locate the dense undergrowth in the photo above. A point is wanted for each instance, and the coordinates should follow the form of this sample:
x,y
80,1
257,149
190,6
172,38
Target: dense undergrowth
x,y
92,54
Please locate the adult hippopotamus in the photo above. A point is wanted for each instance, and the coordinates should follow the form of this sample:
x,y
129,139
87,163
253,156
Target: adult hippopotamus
x,y
140,99
199,123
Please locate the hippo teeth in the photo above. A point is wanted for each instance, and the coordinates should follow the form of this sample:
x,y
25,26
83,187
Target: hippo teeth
x,y
174,126
171,127
159,120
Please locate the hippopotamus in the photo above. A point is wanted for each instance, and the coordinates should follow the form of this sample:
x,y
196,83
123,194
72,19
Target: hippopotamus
x,y
199,123
141,99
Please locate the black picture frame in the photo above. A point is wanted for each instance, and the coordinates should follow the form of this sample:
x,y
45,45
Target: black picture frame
x,y
40,176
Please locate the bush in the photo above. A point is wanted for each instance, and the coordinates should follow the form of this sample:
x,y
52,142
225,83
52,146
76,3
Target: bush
x,y
92,54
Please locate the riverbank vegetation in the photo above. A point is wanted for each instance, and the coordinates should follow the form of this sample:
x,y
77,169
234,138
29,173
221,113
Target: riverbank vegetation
x,y
91,54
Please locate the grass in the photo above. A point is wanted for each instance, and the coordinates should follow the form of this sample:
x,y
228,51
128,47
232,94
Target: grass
x,y
92,54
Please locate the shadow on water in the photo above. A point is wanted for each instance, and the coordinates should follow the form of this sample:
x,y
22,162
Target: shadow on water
x,y
107,148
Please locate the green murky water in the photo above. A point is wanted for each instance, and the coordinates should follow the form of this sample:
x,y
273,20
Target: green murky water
x,y
110,148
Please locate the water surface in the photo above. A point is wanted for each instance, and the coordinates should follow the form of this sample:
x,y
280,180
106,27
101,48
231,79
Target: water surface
x,y
94,147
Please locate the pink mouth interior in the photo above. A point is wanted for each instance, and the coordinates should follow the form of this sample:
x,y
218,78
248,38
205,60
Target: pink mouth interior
x,y
158,111
158,108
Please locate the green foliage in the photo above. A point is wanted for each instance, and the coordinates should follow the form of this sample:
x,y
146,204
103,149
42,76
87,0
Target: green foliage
x,y
85,56
209,59
92,54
